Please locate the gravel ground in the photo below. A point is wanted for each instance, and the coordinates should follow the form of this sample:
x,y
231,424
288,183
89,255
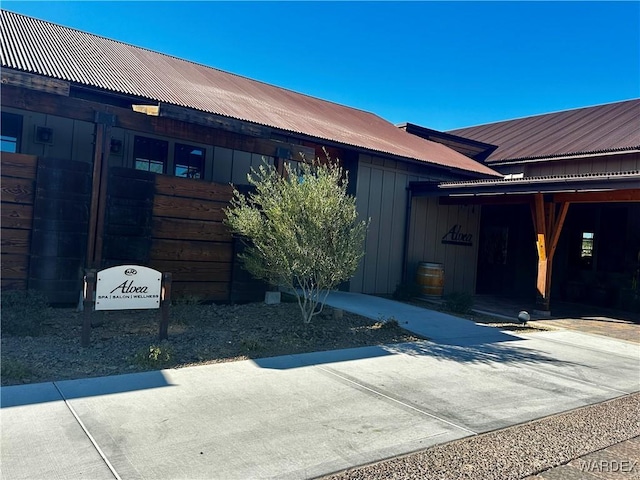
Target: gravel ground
x,y
516,452
123,341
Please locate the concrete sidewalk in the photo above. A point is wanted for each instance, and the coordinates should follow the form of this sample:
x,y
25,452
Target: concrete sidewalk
x,y
301,416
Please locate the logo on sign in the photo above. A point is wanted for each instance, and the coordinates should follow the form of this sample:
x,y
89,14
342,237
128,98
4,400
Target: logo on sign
x,y
130,271
455,236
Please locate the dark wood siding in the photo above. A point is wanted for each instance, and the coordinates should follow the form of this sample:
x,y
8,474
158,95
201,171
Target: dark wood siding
x,y
18,190
60,225
189,239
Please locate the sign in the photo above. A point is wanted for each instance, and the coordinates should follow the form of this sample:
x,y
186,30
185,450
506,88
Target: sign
x,y
455,236
128,287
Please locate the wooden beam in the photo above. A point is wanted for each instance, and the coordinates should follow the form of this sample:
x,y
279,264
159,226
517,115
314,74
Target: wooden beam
x,y
85,110
152,110
34,82
190,115
540,222
486,200
95,195
557,229
629,195
101,162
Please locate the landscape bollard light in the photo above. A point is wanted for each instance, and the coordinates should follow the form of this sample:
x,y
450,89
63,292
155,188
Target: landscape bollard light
x,y
524,317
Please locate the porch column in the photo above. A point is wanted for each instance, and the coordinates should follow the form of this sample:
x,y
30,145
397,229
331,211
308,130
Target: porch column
x,y
547,222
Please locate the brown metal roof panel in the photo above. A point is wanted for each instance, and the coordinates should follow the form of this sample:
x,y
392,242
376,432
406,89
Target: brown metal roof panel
x,y
66,54
602,128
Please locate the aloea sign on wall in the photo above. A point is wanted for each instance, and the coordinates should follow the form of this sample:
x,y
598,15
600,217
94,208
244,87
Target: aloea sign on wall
x,y
128,287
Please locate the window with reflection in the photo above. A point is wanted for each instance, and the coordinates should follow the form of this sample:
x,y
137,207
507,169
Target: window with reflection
x,y
150,154
188,161
11,132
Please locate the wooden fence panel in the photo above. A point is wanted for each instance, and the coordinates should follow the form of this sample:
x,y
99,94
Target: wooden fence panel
x,y
189,238
60,227
17,195
128,219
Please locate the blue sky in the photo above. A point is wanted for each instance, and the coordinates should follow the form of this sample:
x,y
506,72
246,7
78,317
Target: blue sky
x,y
442,65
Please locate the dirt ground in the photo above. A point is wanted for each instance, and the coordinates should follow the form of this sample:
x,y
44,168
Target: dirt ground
x,y
127,341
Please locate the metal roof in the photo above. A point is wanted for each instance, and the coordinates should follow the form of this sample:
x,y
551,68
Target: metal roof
x,y
606,128
43,48
538,184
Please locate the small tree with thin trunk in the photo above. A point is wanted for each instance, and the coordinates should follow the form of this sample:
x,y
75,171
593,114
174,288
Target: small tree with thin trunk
x,y
301,230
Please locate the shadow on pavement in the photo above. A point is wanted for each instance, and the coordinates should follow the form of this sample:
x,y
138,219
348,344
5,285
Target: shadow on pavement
x,y
19,395
478,353
484,353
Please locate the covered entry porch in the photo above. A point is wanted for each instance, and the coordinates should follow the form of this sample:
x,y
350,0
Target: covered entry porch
x,y
572,238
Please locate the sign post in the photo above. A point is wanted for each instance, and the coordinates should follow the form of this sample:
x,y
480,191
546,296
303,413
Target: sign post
x,y
126,287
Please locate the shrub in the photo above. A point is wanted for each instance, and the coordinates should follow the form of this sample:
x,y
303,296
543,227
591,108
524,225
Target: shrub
x,y
250,345
23,312
14,370
301,230
458,302
156,356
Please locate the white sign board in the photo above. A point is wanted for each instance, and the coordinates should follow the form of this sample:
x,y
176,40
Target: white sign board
x,y
128,287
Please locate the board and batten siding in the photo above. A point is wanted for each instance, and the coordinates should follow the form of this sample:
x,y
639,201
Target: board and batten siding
x,y
381,195
430,222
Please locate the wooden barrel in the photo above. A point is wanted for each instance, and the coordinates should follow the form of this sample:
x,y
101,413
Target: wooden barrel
x,y
430,277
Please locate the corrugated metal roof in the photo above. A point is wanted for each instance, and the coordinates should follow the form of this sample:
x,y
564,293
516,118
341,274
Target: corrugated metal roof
x,y
584,182
600,129
43,48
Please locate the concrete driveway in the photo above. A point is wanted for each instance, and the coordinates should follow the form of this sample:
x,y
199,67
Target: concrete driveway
x,y
302,416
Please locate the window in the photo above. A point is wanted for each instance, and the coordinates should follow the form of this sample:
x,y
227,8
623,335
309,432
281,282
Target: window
x,y
587,245
586,250
188,161
11,132
150,154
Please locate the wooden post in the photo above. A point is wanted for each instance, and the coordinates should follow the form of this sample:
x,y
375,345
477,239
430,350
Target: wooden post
x,y
547,225
165,306
103,123
95,194
87,303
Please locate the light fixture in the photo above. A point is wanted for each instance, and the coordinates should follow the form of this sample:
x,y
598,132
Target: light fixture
x,y
115,146
44,135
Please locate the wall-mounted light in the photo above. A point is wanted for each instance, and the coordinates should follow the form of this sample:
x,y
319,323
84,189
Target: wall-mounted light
x,y
116,146
44,135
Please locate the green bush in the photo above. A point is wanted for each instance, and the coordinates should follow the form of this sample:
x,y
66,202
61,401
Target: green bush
x,y
187,299
458,302
301,230
14,370
250,345
23,312
156,356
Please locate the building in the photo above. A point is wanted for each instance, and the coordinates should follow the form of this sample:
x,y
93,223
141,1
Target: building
x,y
569,200
113,154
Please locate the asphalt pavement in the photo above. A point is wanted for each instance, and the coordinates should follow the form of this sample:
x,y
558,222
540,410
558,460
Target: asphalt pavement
x,y
306,415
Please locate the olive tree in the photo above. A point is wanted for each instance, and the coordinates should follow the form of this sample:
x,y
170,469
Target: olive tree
x,y
301,230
